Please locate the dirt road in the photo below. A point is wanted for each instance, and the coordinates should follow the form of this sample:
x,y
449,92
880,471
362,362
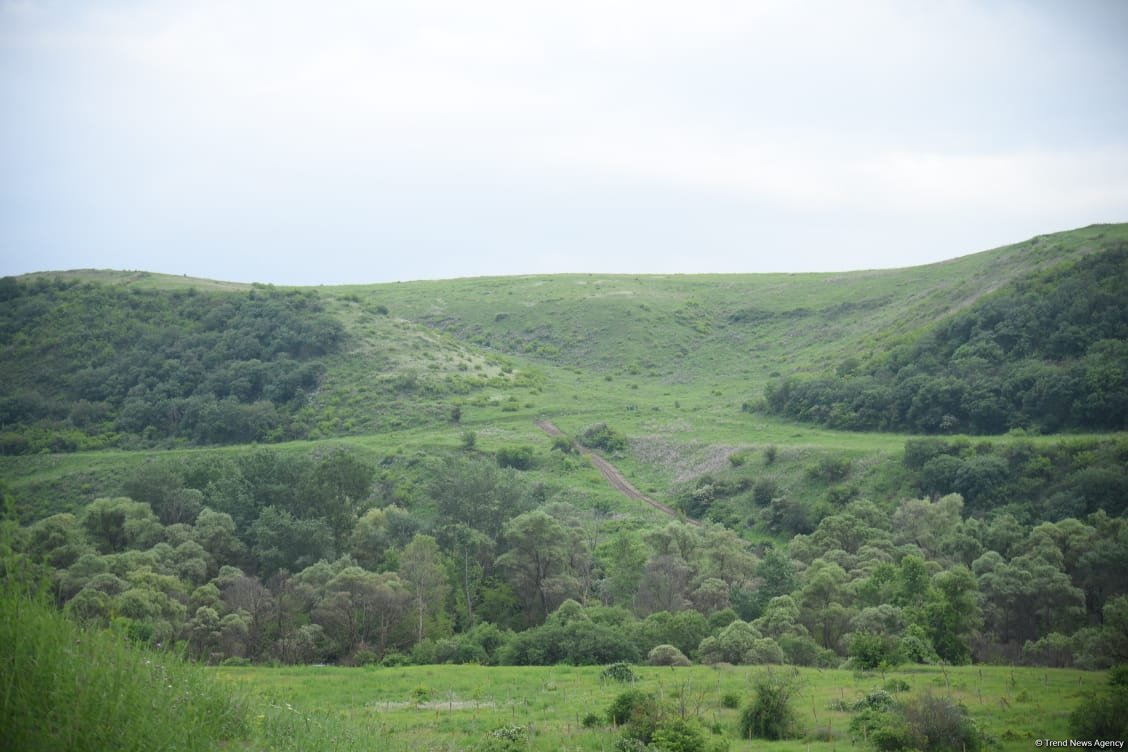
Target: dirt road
x,y
613,476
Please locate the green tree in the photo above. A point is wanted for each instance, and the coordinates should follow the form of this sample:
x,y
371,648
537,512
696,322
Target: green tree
x,y
421,569
477,493
283,542
623,556
113,525
336,490
537,555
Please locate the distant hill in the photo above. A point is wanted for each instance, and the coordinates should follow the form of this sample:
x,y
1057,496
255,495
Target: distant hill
x,y
1046,351
1030,335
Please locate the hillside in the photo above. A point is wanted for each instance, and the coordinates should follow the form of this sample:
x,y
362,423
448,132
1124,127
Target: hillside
x,y
366,473
407,353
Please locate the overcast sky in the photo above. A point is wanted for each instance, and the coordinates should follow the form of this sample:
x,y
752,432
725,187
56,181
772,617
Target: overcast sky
x,y
341,141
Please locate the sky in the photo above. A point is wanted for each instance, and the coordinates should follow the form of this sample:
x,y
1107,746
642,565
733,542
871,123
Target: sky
x,y
355,141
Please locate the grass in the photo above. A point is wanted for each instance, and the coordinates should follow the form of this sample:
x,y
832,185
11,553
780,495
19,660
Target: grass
x,y
451,707
670,361
64,687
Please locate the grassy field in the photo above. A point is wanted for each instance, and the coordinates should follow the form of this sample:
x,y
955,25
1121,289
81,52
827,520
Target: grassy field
x,y
452,707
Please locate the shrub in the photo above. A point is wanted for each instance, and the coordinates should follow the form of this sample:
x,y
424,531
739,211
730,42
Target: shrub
x,y
1103,716
564,445
764,491
626,703
678,735
518,458
771,714
620,672
666,655
927,723
940,723
504,739
869,650
730,700
601,436
591,720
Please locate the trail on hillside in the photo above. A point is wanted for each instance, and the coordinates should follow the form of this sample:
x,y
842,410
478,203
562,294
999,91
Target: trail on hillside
x,y
613,476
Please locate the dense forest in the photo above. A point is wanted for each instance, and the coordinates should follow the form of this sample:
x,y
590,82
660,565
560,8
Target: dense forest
x,y
90,366
1045,354
459,559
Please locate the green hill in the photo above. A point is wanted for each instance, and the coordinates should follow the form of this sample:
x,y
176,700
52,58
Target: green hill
x,y
366,472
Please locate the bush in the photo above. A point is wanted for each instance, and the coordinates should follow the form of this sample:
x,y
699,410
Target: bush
x,y
666,655
620,672
678,735
600,436
504,739
771,715
927,723
869,650
1103,716
563,445
626,704
518,458
939,724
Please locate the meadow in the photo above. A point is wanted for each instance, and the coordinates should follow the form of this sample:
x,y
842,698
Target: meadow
x,y
453,707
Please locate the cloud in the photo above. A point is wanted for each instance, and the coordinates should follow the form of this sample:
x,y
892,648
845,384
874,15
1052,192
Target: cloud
x,y
243,116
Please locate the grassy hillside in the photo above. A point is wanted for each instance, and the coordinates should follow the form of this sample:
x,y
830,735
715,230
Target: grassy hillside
x,y
362,474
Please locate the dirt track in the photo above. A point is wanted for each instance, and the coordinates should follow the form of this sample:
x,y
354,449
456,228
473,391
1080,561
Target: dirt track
x,y
613,476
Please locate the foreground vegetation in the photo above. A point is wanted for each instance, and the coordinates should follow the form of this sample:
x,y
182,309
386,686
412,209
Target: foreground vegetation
x,y
73,688
452,707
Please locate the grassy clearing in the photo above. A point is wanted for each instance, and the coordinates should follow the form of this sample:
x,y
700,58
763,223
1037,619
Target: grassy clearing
x,y
451,707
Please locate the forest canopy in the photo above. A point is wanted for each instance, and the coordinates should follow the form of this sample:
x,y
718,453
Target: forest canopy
x,y
1046,353
89,366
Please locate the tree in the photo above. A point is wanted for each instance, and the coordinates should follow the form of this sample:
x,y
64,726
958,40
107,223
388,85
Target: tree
x,y
623,556
477,493
215,532
114,525
665,582
950,613
468,547
59,540
537,554
421,568
283,542
361,607
1027,598
335,491
255,604
821,596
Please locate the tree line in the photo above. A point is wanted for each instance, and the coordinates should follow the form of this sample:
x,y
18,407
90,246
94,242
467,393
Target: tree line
x,y
326,557
90,366
1045,354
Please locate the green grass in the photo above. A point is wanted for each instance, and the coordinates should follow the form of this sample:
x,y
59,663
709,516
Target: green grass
x,y
451,707
667,360
66,688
